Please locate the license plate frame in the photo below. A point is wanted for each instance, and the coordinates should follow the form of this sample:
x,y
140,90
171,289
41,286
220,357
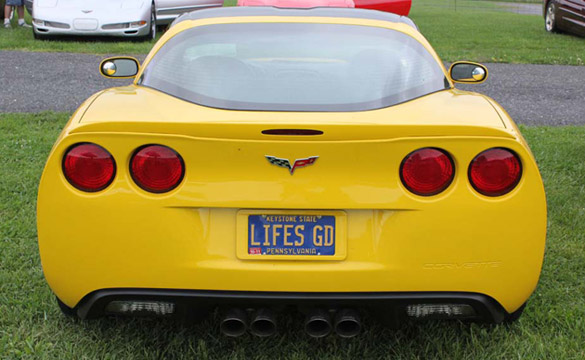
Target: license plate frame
x,y
242,240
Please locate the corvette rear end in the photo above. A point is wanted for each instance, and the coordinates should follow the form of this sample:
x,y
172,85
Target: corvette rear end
x,y
431,207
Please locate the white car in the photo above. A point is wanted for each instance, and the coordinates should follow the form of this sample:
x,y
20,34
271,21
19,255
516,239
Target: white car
x,y
123,18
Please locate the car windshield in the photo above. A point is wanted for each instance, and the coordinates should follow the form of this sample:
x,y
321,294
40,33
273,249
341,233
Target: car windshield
x,y
294,67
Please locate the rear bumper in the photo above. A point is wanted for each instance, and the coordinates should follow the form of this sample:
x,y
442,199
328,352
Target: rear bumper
x,y
386,305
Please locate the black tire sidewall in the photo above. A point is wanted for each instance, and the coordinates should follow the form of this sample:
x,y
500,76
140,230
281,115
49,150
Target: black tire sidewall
x,y
152,33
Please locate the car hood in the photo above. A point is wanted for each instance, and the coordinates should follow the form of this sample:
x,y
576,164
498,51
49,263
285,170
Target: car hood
x,y
445,113
90,5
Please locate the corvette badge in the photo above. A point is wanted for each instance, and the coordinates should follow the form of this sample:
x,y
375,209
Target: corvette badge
x,y
285,163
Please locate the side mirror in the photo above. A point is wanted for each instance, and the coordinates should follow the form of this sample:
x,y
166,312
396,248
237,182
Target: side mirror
x,y
468,72
119,67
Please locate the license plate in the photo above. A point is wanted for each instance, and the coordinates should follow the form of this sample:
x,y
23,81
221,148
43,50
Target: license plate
x,y
291,235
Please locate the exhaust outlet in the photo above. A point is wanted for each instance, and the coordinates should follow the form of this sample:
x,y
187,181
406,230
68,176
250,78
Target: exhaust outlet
x,y
263,323
234,323
318,323
347,323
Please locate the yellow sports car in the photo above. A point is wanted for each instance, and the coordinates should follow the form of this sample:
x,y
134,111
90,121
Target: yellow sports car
x,y
271,160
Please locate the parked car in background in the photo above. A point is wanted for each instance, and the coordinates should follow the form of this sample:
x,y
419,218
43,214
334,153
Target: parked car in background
x,y
399,7
124,18
130,18
169,10
303,4
565,15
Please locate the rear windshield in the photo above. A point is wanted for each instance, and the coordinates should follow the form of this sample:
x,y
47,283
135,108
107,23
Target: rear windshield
x,y
294,67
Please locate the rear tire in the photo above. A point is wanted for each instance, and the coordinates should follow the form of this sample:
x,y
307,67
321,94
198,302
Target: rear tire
x,y
66,310
162,28
550,19
39,36
513,317
152,25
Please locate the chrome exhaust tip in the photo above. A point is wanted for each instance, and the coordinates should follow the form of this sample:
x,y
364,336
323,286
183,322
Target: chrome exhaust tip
x,y
347,323
234,323
263,323
318,323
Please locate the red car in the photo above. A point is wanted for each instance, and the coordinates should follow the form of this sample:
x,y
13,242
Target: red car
x,y
400,7
297,3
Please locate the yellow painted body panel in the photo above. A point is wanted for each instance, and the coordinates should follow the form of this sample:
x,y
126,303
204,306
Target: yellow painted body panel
x,y
124,237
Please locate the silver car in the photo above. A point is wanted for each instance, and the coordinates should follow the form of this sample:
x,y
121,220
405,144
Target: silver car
x,y
124,18
169,10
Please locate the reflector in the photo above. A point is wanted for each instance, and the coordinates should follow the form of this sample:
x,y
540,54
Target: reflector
x,y
137,307
440,310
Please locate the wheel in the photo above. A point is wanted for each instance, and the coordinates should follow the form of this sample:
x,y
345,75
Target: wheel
x,y
39,36
513,317
550,22
162,28
152,32
66,310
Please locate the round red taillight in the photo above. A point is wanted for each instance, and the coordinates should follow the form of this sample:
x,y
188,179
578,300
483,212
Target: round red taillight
x,y
495,172
157,168
89,167
427,171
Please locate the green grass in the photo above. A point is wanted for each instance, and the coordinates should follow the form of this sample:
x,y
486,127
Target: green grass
x,y
31,326
468,33
495,37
